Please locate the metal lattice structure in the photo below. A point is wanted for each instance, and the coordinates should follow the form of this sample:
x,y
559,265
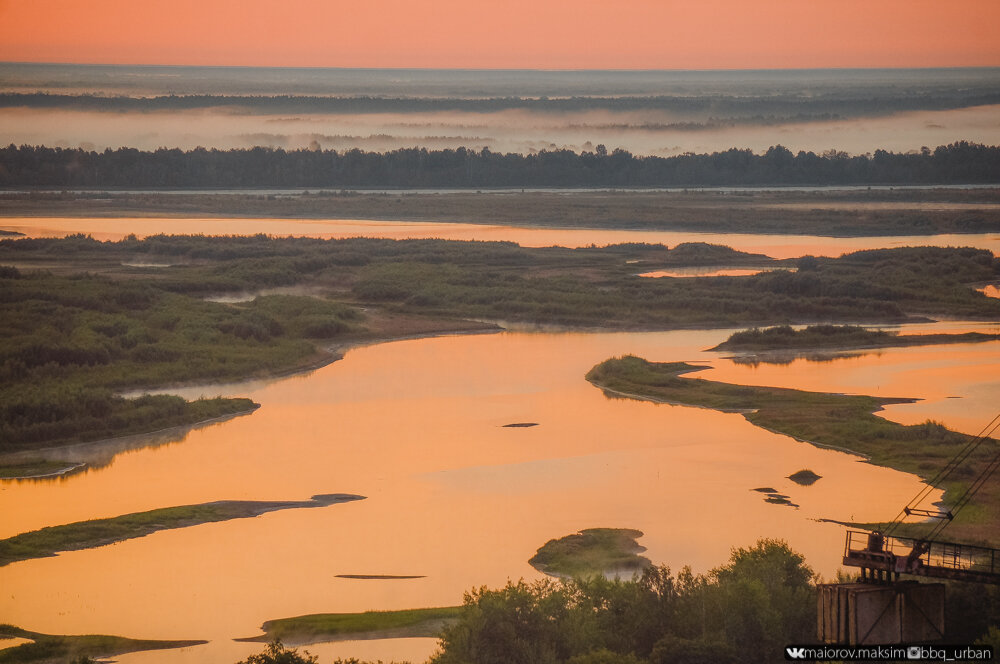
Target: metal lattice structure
x,y
883,558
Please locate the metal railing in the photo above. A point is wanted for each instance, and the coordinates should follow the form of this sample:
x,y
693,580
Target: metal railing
x,y
862,551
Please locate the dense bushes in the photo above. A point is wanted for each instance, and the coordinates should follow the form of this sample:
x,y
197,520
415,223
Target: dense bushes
x,y
744,611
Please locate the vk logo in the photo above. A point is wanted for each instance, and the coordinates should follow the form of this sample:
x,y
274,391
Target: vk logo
x,y
796,653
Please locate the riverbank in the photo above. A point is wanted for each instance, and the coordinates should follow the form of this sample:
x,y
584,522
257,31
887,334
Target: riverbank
x,y
833,213
831,420
46,648
62,460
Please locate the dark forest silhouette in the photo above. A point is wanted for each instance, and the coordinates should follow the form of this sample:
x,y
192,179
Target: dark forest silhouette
x,y
958,163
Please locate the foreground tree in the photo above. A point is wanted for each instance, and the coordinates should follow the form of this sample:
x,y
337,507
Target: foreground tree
x,y
277,653
743,611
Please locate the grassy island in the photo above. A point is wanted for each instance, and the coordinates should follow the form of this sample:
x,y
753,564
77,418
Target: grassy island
x,y
833,420
45,648
784,337
594,551
100,532
321,627
81,320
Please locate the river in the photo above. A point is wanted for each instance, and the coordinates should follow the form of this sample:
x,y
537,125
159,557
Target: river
x,y
452,495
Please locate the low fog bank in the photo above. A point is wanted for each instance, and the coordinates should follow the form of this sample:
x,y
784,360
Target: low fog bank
x,y
522,131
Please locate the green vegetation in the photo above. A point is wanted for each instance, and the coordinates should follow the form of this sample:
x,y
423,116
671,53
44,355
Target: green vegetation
x,y
68,416
745,611
785,337
833,420
37,468
592,551
277,653
100,532
371,624
69,341
47,648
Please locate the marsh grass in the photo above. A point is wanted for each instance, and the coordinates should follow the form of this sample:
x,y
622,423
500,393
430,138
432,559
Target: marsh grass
x,y
784,337
370,624
69,341
36,468
53,648
100,532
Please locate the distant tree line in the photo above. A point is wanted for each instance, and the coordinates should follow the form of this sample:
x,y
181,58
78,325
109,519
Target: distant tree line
x,y
958,163
787,106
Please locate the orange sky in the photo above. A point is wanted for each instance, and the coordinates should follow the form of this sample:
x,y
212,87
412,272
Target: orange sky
x,y
544,34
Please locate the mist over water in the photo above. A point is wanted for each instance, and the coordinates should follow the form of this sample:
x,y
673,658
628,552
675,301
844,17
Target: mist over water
x,y
645,112
521,131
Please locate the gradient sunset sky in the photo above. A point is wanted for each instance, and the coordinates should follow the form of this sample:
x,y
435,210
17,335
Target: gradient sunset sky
x,y
528,34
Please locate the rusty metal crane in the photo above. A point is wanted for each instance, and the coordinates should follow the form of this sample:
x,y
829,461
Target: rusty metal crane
x,y
882,609
883,556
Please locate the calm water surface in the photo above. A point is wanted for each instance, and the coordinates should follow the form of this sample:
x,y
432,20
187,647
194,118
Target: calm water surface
x,y
703,272
416,426
776,246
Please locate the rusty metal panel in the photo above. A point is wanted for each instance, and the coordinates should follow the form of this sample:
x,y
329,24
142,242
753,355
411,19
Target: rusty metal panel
x,y
873,616
865,614
922,612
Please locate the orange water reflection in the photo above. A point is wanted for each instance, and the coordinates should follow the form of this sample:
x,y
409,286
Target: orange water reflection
x,y
958,385
704,272
416,426
776,246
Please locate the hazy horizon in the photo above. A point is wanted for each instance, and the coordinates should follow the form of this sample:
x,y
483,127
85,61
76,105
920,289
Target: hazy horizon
x,y
647,112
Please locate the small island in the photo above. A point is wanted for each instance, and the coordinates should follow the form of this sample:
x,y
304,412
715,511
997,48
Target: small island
x,y
49,541
592,552
380,577
323,627
847,337
805,477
